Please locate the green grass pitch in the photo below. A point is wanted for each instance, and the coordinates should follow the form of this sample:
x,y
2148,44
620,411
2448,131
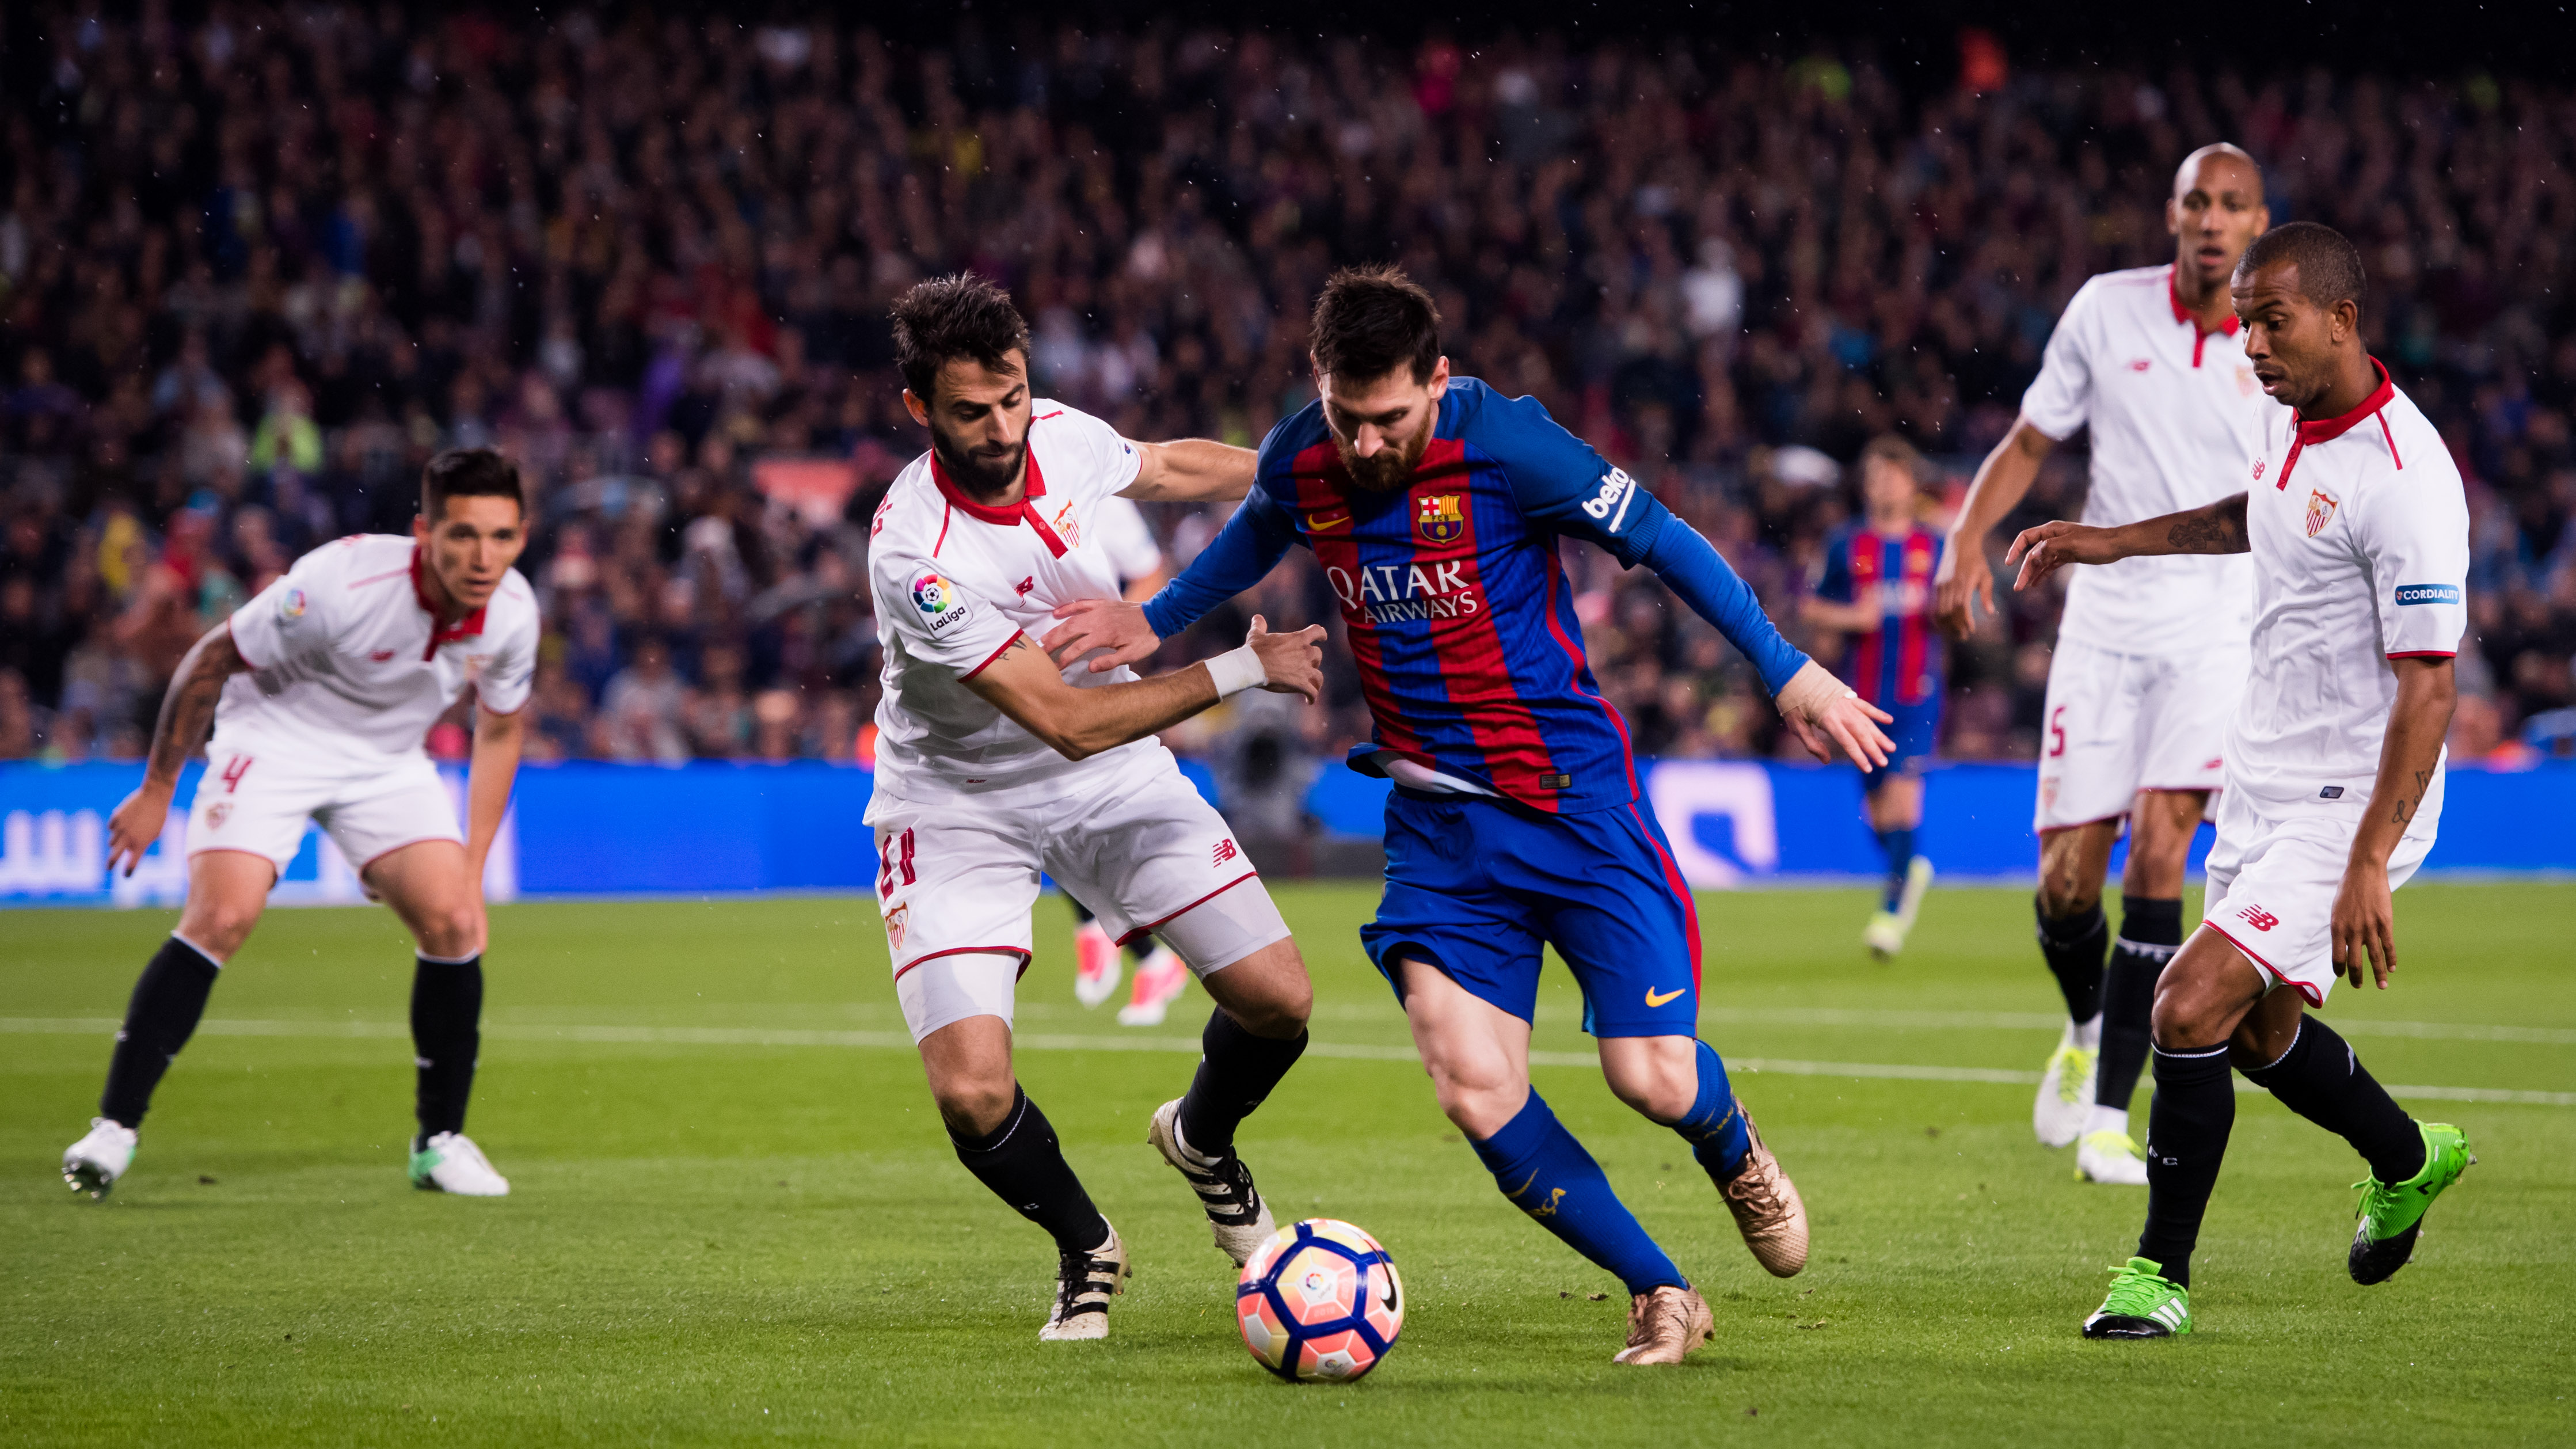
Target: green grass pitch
x,y
735,1217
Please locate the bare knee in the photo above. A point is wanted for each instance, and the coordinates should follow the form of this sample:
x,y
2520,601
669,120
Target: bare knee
x,y
1279,1012
1479,1105
974,1104
1659,1083
218,928
2066,887
450,932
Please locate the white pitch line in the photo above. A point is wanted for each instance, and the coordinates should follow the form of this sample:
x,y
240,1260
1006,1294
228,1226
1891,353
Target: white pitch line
x,y
2017,1020
1057,1042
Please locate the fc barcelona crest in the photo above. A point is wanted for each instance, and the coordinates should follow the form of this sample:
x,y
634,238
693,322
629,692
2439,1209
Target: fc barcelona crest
x,y
2321,508
1442,519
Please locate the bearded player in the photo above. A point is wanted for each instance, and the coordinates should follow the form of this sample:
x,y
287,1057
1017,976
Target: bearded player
x,y
2150,652
994,766
1435,506
320,691
2359,531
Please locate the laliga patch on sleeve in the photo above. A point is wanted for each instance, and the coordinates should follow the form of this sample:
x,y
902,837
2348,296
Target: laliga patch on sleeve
x,y
290,606
938,600
2428,593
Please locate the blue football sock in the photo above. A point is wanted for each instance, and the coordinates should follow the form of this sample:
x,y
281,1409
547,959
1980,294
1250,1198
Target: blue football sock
x,y
1715,1127
1899,845
1547,1174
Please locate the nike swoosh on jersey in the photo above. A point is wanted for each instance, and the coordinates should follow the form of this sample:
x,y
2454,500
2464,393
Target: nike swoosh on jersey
x,y
1327,522
1655,999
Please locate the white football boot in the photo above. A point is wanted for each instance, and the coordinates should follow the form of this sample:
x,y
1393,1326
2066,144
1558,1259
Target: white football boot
x,y
1084,1283
2110,1157
1096,970
452,1163
1160,980
2065,1092
1237,1217
94,1163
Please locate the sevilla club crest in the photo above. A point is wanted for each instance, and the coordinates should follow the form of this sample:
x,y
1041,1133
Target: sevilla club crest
x,y
1442,518
895,920
2321,509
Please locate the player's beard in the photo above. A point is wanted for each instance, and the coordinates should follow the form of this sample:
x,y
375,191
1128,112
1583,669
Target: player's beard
x,y
979,474
1389,469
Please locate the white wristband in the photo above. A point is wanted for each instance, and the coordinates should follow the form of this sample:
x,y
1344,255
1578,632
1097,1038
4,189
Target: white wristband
x,y
1237,670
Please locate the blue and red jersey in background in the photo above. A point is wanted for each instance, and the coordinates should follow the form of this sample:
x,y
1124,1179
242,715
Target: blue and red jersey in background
x,y
1898,663
1455,607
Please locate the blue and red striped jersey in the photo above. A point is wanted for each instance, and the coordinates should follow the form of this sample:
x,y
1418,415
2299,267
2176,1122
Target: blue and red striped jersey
x,y
1454,604
1900,661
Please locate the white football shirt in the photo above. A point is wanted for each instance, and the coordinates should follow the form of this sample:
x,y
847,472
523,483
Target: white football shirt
x,y
2173,415
1128,539
956,582
2359,531
348,664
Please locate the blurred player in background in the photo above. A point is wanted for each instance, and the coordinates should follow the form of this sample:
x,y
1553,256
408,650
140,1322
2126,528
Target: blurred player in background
x,y
320,691
1435,506
1875,584
2358,528
2150,653
995,766
1161,974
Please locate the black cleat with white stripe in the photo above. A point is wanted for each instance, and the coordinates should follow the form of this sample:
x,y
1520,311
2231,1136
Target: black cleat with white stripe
x,y
1237,1217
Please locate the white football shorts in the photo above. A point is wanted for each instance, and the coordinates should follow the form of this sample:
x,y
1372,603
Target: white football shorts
x,y
1139,846
2275,872
2117,724
256,798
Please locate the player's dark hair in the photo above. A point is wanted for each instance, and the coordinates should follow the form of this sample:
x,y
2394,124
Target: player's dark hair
x,y
946,318
468,473
2329,265
1370,320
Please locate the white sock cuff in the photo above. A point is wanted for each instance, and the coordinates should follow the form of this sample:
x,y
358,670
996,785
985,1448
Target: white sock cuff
x,y
428,959
211,959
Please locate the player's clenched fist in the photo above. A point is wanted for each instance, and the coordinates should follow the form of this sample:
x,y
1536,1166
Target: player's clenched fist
x,y
1290,663
2044,550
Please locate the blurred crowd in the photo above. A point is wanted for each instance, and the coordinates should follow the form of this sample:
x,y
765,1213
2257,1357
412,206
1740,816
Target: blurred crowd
x,y
257,265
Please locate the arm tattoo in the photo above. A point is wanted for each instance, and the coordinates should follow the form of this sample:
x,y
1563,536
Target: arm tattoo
x,y
2203,533
188,710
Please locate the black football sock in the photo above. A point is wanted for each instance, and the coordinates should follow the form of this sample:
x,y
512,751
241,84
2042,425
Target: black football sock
x,y
2320,1079
446,1036
161,1016
2073,946
2187,1129
1235,1074
2150,933
1024,1166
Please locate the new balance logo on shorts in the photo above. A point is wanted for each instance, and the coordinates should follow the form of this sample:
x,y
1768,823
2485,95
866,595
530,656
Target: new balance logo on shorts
x,y
2428,593
2259,918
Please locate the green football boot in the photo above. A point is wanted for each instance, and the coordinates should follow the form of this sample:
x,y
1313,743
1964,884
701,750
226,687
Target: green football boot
x,y
2392,1216
2143,1304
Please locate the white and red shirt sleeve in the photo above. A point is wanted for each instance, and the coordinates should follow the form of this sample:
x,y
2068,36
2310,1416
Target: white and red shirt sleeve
x,y
936,619
2411,527
504,675
292,620
2059,402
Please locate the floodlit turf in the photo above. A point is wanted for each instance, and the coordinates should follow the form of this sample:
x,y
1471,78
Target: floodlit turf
x,y
736,1218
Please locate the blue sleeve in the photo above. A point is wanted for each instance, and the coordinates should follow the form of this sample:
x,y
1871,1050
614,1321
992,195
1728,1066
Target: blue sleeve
x,y
1555,476
1692,567
1835,585
1242,554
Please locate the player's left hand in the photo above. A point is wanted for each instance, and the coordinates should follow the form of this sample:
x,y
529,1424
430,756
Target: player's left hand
x,y
1110,624
2365,924
1824,713
2044,550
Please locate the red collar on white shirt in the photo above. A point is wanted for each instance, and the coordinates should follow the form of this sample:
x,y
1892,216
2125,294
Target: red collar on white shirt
x,y
2326,430
2199,334
469,627
1001,517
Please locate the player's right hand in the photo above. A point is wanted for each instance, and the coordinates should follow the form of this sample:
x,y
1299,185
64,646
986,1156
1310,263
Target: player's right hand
x,y
1826,714
1110,624
2044,550
136,825
1293,662
1959,583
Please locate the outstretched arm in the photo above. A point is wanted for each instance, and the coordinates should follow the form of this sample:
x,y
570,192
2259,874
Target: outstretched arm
x,y
1241,555
498,740
2002,481
187,713
2214,528
1077,723
1190,470
1824,715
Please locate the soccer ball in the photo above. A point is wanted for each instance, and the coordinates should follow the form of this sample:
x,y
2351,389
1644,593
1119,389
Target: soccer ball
x,y
1319,1301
